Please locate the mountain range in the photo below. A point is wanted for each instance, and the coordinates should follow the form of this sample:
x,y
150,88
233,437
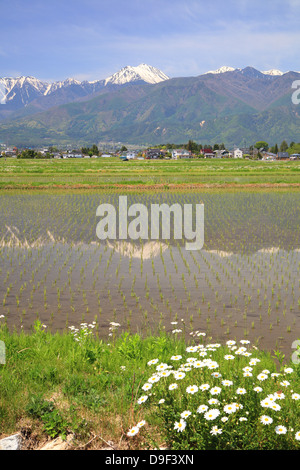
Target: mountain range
x,y
142,105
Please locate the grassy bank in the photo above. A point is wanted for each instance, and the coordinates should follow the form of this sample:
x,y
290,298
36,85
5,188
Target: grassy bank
x,y
146,392
101,173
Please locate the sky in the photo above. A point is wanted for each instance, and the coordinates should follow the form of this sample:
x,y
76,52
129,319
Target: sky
x,y
92,39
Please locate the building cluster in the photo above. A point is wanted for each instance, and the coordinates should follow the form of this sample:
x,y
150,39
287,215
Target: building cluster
x,y
156,153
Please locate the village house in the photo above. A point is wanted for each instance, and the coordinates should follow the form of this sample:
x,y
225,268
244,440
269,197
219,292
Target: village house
x,y
210,155
221,153
283,156
154,153
181,153
237,153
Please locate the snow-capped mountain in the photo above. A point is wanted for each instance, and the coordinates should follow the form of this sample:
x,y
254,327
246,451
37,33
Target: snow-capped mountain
x,y
143,72
225,68
273,72
21,90
18,92
23,96
56,85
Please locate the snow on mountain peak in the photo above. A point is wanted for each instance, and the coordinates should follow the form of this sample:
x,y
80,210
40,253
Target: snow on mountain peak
x,y
272,72
143,72
223,69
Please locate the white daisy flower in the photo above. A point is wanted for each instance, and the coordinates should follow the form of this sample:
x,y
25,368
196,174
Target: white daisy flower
x,y
173,386
247,374
153,361
133,431
179,375
211,414
265,403
204,387
217,375
191,349
254,361
165,373
198,364
285,383
262,377
202,408
215,430
176,358
228,357
180,426
192,389
266,420
141,423
213,365
146,386
213,401
153,379
280,429
275,406
230,408
161,367
191,359
227,383
142,399
185,414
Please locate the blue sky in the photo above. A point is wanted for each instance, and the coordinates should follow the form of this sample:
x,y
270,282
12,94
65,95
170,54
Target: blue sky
x,y
92,39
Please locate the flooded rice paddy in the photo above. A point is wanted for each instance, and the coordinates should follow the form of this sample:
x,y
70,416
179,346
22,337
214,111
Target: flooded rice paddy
x,y
243,283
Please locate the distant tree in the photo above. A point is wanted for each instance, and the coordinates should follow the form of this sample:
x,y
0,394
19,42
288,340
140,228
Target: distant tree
x,y
294,149
89,151
216,147
95,150
123,148
192,146
28,153
274,149
261,144
283,146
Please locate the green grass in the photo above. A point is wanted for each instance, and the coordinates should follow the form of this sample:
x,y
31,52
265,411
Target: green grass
x,y
56,384
97,173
